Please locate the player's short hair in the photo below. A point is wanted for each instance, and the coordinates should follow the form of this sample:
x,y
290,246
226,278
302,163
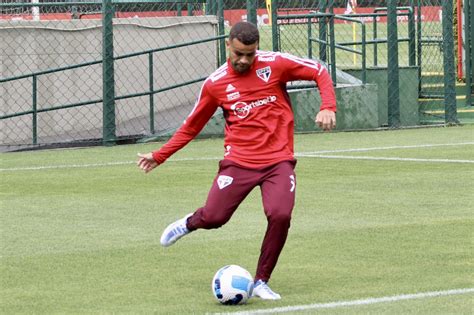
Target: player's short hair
x,y
244,32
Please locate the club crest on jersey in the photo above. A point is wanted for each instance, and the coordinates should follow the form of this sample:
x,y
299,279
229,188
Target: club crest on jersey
x,y
223,181
264,73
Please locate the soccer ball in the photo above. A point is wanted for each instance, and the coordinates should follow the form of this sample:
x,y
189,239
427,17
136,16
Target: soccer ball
x,y
232,285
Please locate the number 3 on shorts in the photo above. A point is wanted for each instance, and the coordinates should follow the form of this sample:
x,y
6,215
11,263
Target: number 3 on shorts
x,y
293,183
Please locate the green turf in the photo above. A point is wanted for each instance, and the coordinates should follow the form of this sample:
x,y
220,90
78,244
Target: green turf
x,y
86,239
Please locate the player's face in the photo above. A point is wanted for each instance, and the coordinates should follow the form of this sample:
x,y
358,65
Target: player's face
x,y
241,56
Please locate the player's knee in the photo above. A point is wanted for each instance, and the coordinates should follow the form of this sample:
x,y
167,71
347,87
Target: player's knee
x,y
280,218
214,221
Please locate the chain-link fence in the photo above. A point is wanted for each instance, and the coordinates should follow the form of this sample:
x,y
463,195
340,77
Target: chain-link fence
x,y
430,54
68,77
369,43
78,71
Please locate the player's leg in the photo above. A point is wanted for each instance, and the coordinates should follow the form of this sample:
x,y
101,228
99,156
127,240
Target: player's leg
x,y
278,195
231,185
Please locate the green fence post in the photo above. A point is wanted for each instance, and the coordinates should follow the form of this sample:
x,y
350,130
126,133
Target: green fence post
x,y
251,12
108,81
393,73
411,36
152,96
364,53
448,63
35,109
275,35
211,7
418,44
190,9
332,43
322,32
472,41
375,37
469,50
310,43
220,16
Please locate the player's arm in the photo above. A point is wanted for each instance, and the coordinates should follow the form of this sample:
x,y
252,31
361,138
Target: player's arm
x,y
203,110
305,69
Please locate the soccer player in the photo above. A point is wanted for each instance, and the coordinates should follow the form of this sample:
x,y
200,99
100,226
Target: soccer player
x,y
251,90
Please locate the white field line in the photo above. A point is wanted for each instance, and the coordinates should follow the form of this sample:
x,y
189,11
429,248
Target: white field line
x,y
368,301
391,148
51,167
379,158
316,154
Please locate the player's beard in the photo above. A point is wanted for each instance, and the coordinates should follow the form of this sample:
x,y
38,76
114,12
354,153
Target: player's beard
x,y
240,67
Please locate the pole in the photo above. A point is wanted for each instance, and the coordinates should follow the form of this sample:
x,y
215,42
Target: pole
x,y
251,12
152,96
35,109
275,35
332,42
418,44
35,12
469,43
220,16
411,36
323,37
460,38
108,80
393,73
448,63
268,4
354,35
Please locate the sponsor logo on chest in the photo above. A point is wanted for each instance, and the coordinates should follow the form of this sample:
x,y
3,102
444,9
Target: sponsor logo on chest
x,y
266,59
243,109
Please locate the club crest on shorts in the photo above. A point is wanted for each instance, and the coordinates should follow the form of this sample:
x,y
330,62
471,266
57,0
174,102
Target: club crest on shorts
x,y
264,73
223,181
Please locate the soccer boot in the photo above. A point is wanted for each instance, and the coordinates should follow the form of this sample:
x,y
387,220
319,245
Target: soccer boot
x,y
175,231
263,291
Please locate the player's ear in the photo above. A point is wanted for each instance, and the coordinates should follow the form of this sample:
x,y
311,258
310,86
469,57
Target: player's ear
x,y
227,43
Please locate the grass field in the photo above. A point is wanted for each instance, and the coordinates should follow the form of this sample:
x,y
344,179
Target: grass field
x,y
378,214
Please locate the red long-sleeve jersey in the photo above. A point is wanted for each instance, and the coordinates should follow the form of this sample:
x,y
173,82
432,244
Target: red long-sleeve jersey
x,y
259,119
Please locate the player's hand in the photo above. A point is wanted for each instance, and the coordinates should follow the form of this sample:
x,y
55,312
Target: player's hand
x,y
326,120
146,162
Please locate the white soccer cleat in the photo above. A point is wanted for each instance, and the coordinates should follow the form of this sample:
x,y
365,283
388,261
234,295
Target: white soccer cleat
x,y
175,231
263,291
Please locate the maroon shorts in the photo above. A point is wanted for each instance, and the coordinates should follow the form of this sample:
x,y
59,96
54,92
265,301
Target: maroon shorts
x,y
230,187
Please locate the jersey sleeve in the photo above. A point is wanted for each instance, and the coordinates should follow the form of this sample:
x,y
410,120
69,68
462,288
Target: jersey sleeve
x,y
203,110
295,68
